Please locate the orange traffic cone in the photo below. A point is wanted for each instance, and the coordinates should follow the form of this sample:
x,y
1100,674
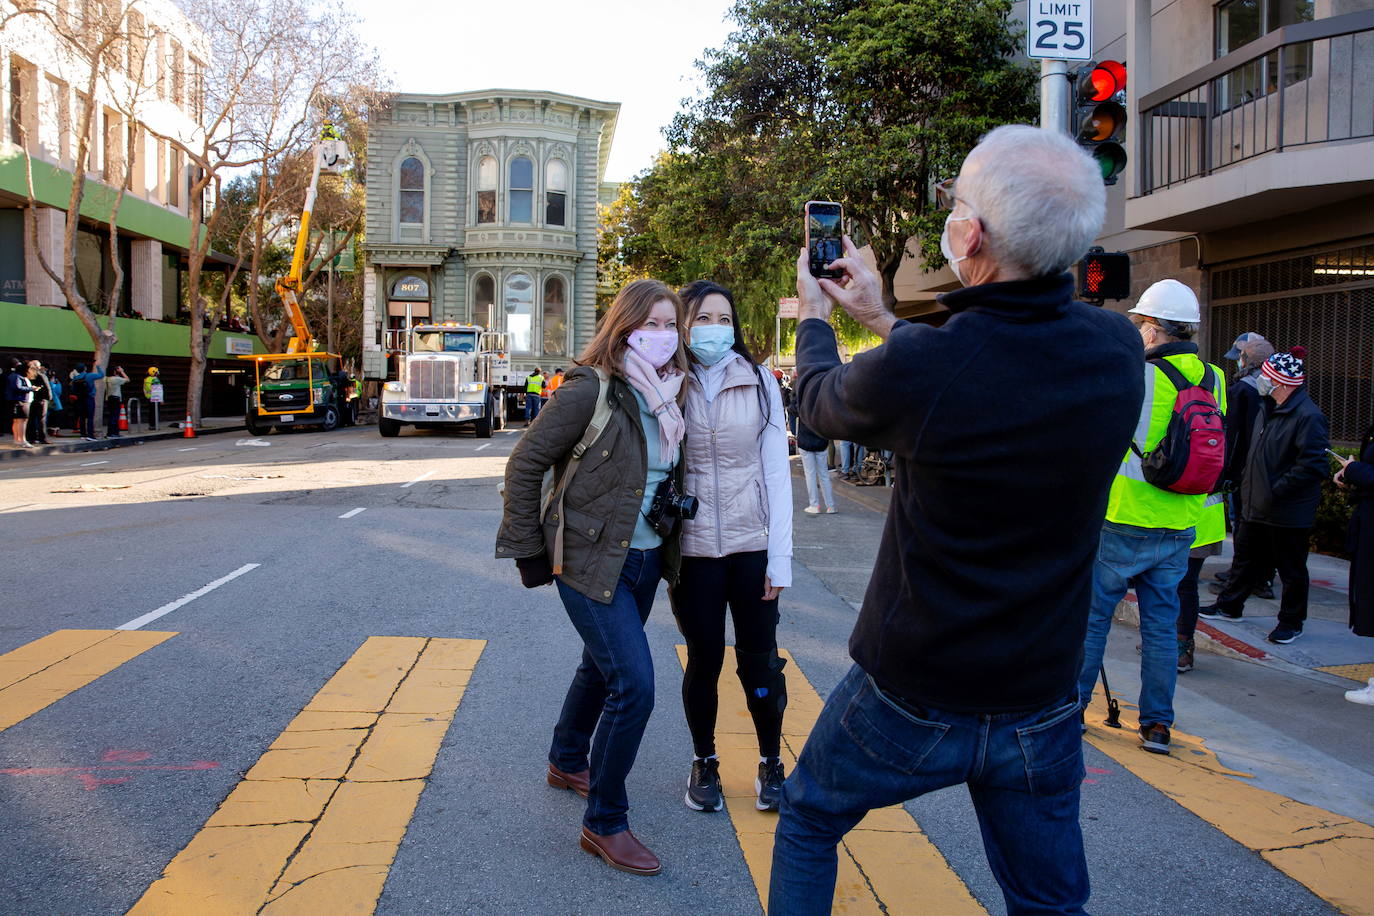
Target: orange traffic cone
x,y
123,419
188,429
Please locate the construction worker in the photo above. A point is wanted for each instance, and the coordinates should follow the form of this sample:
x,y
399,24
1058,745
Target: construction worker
x,y
1149,530
555,381
534,386
152,380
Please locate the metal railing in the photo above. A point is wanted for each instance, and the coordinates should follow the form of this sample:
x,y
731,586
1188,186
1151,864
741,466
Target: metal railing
x,y
1302,84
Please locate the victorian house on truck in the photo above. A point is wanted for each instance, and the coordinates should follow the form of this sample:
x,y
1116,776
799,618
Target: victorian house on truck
x,y
482,209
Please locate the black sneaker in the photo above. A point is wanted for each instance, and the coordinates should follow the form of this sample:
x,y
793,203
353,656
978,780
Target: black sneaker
x,y
1283,634
1217,612
703,788
1265,591
1185,655
768,785
1155,738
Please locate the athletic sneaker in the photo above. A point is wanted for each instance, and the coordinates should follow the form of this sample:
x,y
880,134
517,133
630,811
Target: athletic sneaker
x,y
1217,612
1155,738
1284,634
768,785
703,787
1185,655
831,511
812,510
1265,591
1364,696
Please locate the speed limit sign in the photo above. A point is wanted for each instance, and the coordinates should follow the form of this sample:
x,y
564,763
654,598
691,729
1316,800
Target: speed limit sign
x,y
1059,29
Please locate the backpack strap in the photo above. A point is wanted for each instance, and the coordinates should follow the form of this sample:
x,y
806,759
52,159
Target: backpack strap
x,y
601,417
1179,381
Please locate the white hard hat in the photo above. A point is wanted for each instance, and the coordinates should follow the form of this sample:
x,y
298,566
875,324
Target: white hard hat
x,y
1170,300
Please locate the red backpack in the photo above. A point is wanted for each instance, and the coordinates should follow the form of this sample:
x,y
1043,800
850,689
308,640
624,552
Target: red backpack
x,y
1192,455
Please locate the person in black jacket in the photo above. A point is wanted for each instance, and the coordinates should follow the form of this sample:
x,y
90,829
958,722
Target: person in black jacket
x,y
1357,477
1007,425
1244,407
1280,491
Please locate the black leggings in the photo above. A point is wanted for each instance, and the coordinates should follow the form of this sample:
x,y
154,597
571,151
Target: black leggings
x,y
1188,600
704,588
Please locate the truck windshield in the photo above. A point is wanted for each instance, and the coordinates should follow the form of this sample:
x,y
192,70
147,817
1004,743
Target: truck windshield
x,y
292,372
445,342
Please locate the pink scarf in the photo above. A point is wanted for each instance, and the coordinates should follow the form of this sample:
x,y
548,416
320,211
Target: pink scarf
x,y
660,390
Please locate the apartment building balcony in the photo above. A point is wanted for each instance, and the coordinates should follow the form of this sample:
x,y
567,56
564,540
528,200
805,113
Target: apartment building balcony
x,y
1281,125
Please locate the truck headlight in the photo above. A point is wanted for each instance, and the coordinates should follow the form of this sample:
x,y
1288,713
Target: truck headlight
x,y
321,396
394,386
473,386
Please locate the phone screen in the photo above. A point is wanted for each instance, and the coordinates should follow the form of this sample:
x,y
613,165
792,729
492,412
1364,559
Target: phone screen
x,y
823,231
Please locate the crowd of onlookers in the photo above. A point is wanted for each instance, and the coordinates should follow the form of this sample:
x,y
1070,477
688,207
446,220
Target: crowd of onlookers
x,y
41,403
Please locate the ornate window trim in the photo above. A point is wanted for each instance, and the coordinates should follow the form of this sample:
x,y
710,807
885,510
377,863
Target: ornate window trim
x,y
410,149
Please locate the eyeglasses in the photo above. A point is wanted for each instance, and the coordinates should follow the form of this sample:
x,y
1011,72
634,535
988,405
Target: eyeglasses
x,y
945,198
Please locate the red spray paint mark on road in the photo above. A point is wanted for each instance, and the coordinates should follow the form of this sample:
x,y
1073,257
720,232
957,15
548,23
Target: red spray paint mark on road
x,y
1230,642
1098,770
111,761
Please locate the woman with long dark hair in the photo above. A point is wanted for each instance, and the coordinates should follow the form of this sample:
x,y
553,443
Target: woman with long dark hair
x,y
737,551
606,533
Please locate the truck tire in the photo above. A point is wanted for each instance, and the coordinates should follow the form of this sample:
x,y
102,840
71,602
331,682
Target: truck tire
x,y
388,427
331,419
254,427
498,419
483,426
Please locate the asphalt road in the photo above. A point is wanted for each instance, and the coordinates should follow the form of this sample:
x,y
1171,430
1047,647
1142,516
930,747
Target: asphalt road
x,y
347,536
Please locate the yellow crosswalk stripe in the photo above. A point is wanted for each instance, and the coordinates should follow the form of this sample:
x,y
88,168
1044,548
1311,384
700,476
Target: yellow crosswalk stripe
x,y
886,864
1333,856
315,824
37,675
1361,673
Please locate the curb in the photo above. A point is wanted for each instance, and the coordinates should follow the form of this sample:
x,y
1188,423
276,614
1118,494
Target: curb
x,y
1207,638
103,445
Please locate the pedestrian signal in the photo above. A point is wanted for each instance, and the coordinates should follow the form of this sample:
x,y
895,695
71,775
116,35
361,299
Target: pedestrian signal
x,y
1104,275
1099,115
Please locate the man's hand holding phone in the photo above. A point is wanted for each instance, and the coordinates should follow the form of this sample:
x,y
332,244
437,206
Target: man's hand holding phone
x,y
859,291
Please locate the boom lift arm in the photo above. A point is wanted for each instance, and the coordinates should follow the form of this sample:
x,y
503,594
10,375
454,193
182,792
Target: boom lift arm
x,y
330,156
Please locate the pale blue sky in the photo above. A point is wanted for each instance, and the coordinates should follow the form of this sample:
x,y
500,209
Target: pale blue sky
x,y
635,52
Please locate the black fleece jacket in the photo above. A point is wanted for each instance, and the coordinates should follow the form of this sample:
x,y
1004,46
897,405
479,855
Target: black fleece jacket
x,y
1287,463
1008,425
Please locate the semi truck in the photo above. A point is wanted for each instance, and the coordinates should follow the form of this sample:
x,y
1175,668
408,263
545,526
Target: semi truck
x,y
446,375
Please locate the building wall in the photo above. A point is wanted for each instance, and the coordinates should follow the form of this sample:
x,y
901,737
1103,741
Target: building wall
x,y
450,249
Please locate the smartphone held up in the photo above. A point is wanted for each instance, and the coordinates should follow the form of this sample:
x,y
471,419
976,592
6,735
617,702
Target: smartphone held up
x,y
824,228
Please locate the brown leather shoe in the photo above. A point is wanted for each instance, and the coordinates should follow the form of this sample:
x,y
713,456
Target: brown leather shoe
x,y
623,851
580,783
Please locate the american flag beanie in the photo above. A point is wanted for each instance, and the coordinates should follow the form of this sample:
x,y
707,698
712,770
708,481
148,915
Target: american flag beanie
x,y
1286,368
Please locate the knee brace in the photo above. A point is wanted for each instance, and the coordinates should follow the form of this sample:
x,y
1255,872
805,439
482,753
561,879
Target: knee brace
x,y
765,689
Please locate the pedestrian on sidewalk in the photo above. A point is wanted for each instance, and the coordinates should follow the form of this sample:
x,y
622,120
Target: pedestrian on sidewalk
x,y
1282,487
1357,476
1007,424
737,551
114,400
812,448
55,412
18,397
1210,531
1149,529
619,540
42,400
84,385
1245,406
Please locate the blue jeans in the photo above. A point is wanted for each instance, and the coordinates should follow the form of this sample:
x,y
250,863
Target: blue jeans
x,y
1156,559
612,692
532,404
867,751
846,450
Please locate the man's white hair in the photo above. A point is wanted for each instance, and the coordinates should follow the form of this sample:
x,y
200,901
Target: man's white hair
x,y
1038,195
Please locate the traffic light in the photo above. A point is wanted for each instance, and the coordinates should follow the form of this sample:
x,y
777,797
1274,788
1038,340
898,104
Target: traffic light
x,y
1104,275
1099,115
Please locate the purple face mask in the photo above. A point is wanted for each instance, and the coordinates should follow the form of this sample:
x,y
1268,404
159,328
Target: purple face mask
x,y
656,347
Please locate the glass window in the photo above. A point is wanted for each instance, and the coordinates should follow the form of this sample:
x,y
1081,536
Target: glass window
x,y
483,296
521,190
412,191
1240,22
519,306
555,318
486,190
556,193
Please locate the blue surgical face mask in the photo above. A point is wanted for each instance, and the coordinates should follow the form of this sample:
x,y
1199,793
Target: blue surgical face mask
x,y
710,342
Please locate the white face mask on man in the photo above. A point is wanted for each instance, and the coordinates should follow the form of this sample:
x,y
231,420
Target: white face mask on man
x,y
948,252
1265,386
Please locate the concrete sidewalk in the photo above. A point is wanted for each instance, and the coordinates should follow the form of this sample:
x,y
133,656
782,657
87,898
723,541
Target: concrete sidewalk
x,y
69,442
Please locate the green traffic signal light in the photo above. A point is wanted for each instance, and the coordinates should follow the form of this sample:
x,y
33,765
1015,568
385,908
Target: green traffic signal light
x,y
1111,160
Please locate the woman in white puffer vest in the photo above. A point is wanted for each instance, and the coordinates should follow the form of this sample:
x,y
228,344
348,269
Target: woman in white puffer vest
x,y
737,551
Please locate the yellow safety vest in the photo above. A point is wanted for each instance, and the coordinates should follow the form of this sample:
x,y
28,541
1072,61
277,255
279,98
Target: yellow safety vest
x,y
1136,501
1211,522
534,384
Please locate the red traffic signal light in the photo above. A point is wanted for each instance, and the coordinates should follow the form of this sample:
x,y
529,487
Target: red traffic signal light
x,y
1104,275
1099,115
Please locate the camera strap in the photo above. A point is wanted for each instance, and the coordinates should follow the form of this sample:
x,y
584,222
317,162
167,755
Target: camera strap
x,y
601,418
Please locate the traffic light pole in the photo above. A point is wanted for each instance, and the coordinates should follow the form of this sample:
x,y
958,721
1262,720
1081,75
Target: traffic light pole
x,y
1054,95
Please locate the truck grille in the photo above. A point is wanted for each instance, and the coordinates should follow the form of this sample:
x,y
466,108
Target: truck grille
x,y
432,379
285,400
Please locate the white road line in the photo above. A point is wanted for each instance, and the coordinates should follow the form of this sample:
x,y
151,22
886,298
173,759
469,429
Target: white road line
x,y
352,512
191,449
91,464
482,446
186,599
510,432
417,479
